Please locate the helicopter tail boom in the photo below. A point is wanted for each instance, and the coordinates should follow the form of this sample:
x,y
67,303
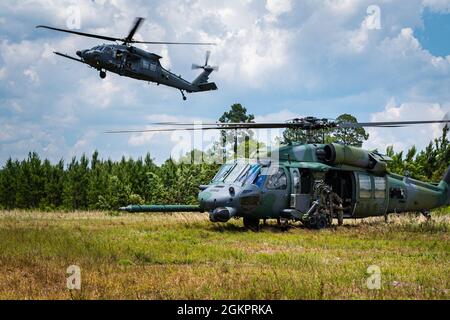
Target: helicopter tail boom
x,y
446,183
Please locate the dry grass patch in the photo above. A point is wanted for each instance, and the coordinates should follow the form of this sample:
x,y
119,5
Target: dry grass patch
x,y
184,256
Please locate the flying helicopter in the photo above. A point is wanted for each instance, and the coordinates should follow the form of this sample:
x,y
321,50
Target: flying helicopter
x,y
126,60
311,183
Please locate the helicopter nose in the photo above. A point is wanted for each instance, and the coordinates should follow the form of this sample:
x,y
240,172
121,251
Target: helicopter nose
x,y
222,214
79,53
216,197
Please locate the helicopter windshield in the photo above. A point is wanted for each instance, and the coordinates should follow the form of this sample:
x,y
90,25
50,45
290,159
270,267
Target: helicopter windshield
x,y
249,175
222,173
237,170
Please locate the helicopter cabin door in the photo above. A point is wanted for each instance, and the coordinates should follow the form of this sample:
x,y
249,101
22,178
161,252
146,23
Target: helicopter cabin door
x,y
299,200
372,195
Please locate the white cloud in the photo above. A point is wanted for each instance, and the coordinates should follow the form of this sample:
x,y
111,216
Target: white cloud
x,y
438,5
277,8
304,57
404,138
32,76
84,144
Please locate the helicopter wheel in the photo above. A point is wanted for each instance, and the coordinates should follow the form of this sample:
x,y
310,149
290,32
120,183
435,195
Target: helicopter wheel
x,y
321,223
251,223
102,74
340,219
182,94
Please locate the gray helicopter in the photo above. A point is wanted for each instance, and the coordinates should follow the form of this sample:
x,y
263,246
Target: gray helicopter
x,y
128,61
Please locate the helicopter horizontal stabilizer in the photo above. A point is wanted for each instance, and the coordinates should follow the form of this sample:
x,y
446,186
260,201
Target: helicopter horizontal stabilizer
x,y
68,57
207,87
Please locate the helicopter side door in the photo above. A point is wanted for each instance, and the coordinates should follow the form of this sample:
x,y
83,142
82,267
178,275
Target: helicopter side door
x,y
300,199
275,193
371,195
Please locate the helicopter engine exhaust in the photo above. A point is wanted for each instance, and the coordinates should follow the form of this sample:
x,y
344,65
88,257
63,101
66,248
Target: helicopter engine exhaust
x,y
223,214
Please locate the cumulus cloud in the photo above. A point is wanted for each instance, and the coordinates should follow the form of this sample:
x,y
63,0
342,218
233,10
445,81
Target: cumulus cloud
x,y
281,59
442,6
404,138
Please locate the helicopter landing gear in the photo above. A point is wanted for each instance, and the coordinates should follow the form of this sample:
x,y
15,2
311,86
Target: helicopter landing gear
x,y
340,217
251,223
182,94
426,214
318,221
102,74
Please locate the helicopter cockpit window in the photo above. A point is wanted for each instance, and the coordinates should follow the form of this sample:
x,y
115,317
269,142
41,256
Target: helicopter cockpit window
x,y
235,172
220,176
249,175
277,181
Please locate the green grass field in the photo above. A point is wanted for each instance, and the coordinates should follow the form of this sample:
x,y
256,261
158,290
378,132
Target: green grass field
x,y
186,257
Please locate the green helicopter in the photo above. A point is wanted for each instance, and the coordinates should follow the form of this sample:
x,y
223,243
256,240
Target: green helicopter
x,y
310,183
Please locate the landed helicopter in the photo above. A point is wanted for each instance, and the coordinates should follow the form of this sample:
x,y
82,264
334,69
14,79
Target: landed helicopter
x,y
312,183
132,62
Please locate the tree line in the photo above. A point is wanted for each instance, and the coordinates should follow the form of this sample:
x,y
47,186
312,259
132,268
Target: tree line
x,y
97,184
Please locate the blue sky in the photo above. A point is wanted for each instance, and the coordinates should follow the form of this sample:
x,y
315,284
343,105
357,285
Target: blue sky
x,y
280,59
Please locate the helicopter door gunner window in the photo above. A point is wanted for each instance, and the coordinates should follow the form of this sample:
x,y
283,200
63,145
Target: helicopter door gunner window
x,y
295,181
380,188
306,182
365,186
277,181
145,64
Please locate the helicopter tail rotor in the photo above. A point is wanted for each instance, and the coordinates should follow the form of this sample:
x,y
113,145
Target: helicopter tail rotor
x,y
205,67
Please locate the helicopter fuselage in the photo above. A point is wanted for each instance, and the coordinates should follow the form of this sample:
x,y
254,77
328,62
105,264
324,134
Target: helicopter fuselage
x,y
134,63
313,184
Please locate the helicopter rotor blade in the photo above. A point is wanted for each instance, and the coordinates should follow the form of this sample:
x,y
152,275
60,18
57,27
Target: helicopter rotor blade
x,y
300,124
196,66
175,43
388,124
83,34
137,24
129,38
208,55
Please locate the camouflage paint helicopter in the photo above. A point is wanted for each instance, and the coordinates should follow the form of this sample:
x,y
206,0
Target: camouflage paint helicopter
x,y
312,183
132,62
